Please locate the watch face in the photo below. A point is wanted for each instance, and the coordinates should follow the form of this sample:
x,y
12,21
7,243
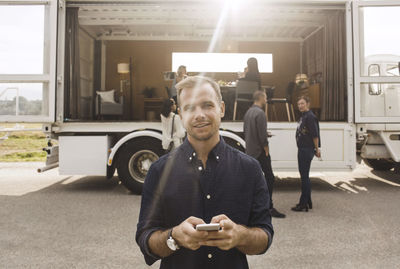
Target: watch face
x,y
171,244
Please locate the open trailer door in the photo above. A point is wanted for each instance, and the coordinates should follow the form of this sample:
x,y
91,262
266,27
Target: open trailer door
x,y
28,32
376,61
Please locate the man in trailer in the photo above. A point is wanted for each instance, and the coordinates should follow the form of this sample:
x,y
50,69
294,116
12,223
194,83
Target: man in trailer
x,y
205,204
255,133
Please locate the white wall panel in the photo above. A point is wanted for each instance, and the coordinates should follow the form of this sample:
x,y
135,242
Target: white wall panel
x,y
83,155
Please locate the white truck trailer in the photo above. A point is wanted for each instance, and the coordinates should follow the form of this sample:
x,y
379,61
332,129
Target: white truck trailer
x,y
64,51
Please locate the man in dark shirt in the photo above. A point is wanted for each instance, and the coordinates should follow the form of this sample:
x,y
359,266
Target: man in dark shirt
x,y
202,181
308,144
255,133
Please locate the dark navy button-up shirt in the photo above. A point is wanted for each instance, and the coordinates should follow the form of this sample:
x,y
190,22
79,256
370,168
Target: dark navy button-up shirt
x,y
177,186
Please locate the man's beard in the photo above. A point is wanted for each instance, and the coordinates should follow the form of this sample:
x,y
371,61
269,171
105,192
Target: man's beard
x,y
202,138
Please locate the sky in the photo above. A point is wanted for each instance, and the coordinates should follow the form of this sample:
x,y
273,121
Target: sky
x,y
21,48
382,30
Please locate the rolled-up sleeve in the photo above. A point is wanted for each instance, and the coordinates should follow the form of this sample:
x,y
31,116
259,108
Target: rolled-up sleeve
x,y
150,217
260,216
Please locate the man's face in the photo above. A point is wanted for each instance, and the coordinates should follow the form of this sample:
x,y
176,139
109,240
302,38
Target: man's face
x,y
201,112
303,105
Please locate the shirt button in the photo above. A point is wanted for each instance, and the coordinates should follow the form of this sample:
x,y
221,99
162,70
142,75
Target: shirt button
x,y
190,158
209,255
208,196
200,168
217,157
194,154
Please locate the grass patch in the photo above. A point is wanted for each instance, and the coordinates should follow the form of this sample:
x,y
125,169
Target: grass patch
x,y
23,146
24,157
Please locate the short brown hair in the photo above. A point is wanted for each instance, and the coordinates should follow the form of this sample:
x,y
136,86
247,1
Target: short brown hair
x,y
194,81
257,95
304,97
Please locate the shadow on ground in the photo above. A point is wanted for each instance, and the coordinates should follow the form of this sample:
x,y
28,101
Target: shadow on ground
x,y
341,182
290,184
357,184
391,176
88,184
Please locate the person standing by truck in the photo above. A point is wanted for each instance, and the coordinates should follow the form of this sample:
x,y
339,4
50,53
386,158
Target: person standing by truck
x,y
171,126
308,144
179,76
255,133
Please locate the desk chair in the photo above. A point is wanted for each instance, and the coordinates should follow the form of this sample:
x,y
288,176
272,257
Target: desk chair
x,y
287,101
244,93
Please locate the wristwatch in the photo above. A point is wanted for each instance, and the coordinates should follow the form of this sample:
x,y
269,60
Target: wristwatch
x,y
171,242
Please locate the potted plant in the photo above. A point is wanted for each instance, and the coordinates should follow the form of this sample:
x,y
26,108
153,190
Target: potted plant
x,y
149,92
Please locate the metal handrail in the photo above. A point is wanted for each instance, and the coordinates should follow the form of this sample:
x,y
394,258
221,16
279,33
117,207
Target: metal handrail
x,y
17,128
16,99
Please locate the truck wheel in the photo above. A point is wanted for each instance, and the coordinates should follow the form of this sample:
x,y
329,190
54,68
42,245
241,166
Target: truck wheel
x,y
234,144
134,161
379,164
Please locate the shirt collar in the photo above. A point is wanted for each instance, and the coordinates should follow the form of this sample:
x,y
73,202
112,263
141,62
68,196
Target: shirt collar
x,y
216,152
256,106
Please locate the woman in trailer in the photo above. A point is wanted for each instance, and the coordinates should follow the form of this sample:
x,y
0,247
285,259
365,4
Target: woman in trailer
x,y
180,75
172,128
308,144
251,72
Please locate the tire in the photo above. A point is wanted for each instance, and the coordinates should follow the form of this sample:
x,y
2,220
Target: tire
x,y
234,144
134,160
379,164
110,171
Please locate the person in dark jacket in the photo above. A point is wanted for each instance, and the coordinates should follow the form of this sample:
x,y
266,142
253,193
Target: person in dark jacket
x,y
308,144
255,134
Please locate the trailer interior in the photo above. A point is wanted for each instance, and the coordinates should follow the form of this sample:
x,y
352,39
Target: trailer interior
x,y
122,51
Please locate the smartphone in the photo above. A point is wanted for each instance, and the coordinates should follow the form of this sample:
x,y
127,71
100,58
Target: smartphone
x,y
208,227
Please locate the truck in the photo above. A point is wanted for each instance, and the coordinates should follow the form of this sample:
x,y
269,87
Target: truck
x,y
61,58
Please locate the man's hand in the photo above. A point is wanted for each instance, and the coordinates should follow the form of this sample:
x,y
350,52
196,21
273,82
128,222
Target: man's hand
x,y
318,152
186,235
226,238
266,149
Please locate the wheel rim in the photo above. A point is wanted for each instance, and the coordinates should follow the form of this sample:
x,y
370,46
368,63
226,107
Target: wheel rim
x,y
139,164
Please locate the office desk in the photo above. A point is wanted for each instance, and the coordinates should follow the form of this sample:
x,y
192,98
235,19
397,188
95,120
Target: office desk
x,y
228,93
228,96
314,93
155,105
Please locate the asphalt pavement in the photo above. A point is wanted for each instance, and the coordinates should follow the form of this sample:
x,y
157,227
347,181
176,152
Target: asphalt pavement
x,y
53,221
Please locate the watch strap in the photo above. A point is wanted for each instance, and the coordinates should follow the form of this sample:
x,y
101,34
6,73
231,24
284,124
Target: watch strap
x,y
170,233
171,238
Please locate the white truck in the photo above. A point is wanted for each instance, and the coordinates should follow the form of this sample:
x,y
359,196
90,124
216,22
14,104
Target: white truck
x,y
64,51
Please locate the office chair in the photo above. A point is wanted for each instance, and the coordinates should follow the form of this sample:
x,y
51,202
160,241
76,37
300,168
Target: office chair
x,y
287,100
244,93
